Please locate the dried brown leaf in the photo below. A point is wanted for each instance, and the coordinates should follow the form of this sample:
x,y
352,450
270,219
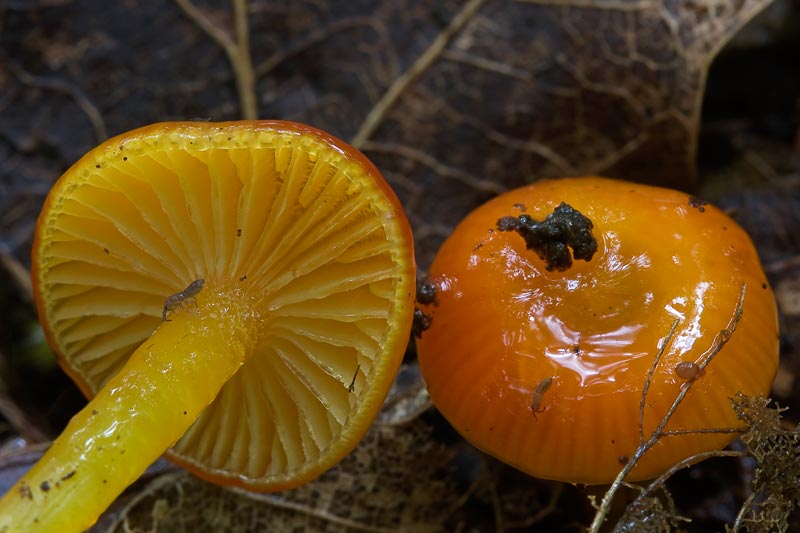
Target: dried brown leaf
x,y
453,100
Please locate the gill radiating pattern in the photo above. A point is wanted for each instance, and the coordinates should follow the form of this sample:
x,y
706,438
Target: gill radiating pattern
x,y
324,270
284,221
110,269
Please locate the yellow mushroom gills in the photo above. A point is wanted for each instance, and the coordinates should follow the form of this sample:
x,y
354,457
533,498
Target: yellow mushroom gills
x,y
239,294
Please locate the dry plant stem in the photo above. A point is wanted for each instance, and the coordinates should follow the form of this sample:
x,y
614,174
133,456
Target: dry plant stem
x,y
462,500
497,508
740,517
444,171
150,490
689,461
238,51
650,372
243,63
72,90
677,432
18,420
19,274
542,513
380,109
717,344
14,457
314,37
737,524
780,266
281,503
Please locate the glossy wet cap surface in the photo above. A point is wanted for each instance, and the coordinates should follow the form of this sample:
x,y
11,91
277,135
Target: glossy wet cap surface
x,y
545,369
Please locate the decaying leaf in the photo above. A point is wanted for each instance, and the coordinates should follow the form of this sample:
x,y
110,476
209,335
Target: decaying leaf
x,y
454,100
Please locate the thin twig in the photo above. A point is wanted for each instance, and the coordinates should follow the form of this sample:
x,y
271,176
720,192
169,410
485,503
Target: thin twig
x,y
497,507
467,494
661,349
153,487
315,37
243,63
238,51
781,265
425,159
19,420
20,275
22,457
555,495
720,339
740,516
401,84
281,503
199,18
689,461
678,432
71,90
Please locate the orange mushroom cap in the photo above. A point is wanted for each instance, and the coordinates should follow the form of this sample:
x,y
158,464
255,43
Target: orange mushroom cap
x,y
242,291
545,369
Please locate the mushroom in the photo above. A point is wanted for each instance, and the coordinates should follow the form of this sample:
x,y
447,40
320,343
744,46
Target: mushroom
x,y
545,367
239,293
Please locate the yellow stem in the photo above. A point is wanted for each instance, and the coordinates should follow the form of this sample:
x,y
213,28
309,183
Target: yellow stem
x,y
135,417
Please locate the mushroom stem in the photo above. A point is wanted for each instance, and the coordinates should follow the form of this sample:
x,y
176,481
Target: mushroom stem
x,y
139,413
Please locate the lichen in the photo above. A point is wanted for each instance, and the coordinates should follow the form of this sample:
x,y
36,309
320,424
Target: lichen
x,y
776,482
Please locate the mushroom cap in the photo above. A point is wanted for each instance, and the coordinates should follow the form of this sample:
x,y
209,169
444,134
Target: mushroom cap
x,y
545,369
281,213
